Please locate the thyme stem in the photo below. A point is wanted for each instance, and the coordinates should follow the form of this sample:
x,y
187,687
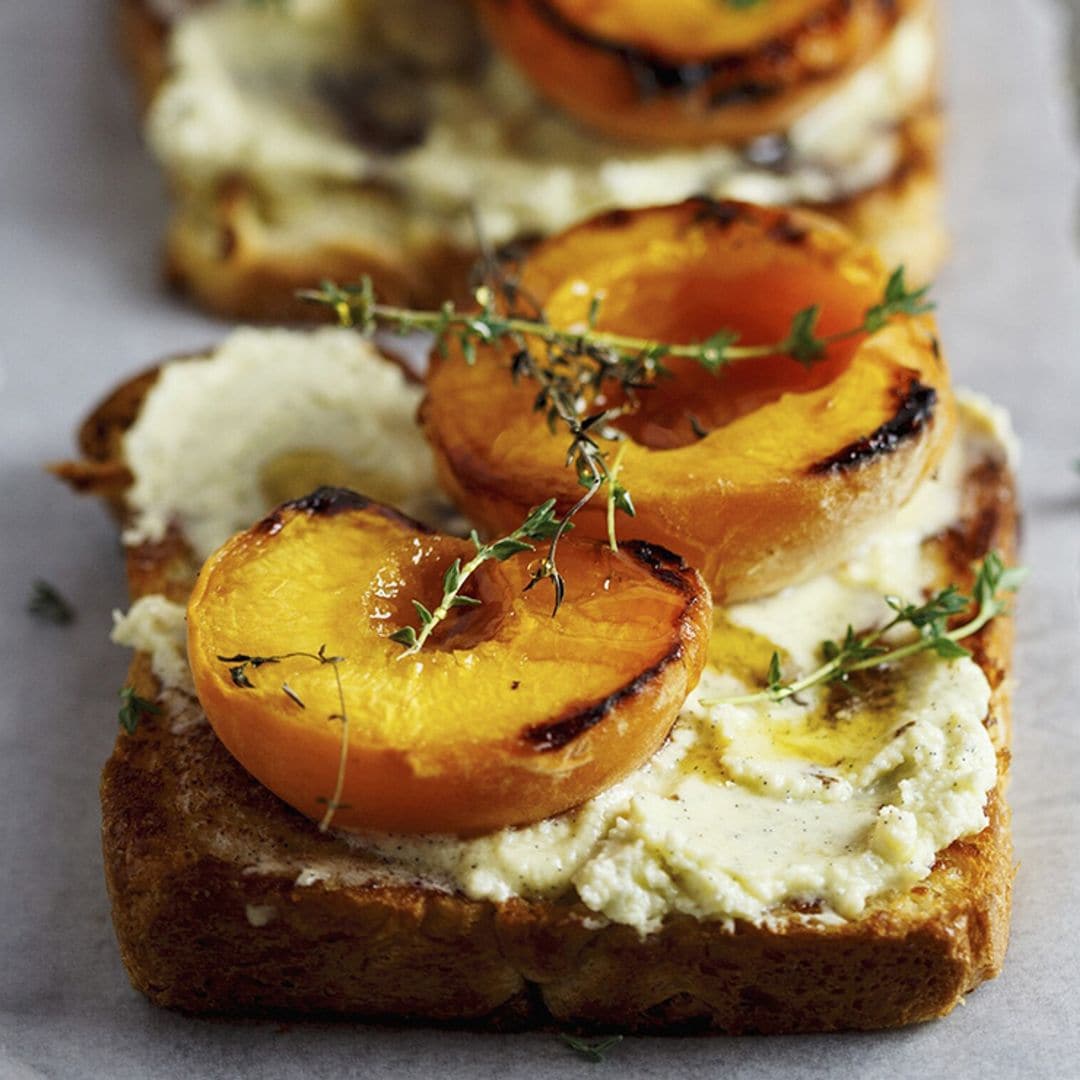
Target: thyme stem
x,y
356,306
541,524
447,602
613,490
441,321
238,673
334,802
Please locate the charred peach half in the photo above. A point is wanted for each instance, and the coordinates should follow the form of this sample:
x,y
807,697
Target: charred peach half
x,y
688,71
507,715
759,475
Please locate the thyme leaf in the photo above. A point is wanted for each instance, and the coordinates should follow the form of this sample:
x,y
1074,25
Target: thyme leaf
x,y
594,1050
802,343
929,620
48,604
292,695
898,300
134,708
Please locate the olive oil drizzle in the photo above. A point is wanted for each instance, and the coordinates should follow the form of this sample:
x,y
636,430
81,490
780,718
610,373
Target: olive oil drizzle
x,y
930,621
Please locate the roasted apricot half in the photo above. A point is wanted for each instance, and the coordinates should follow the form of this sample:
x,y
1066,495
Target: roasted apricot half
x,y
507,715
759,475
688,71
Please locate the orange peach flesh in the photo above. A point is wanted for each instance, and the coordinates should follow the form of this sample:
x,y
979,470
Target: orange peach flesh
x,y
704,73
753,504
508,716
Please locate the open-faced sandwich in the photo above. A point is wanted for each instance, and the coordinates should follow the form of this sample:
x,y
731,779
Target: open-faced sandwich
x,y
748,776
311,139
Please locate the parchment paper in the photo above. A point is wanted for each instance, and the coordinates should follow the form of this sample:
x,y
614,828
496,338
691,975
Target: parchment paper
x,y
81,213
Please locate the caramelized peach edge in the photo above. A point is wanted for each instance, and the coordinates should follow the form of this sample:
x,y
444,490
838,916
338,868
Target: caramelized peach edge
x,y
328,502
676,573
770,67
553,735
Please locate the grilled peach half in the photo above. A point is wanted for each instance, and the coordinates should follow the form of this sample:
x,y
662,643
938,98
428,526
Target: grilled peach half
x,y
688,71
760,475
507,715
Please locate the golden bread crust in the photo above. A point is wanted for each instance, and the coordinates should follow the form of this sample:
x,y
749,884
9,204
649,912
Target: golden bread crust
x,y
214,914
402,951
230,265
902,218
232,272
142,36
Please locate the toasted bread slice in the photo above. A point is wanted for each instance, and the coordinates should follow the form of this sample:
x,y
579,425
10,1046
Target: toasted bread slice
x,y
227,901
241,255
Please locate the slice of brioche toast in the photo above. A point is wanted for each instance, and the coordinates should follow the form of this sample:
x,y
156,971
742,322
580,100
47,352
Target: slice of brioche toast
x,y
238,256
227,901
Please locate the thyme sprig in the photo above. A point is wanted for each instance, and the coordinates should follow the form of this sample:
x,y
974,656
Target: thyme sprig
x,y
578,370
929,620
618,498
238,672
133,709
48,604
541,524
357,306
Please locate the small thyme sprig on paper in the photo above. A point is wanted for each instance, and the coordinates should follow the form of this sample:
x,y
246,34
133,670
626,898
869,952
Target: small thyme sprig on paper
x,y
133,709
575,368
541,524
858,652
48,604
594,1050
238,672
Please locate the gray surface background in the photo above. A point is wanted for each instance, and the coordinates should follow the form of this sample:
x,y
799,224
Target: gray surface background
x,y
81,212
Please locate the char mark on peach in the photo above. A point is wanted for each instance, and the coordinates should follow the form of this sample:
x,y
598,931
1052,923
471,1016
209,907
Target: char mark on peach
x,y
915,405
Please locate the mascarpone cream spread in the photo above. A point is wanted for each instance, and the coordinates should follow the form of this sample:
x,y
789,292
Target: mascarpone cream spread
x,y
279,96
270,416
156,626
826,798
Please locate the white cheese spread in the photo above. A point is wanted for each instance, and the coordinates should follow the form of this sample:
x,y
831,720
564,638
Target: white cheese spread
x,y
156,626
270,416
827,800
247,95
